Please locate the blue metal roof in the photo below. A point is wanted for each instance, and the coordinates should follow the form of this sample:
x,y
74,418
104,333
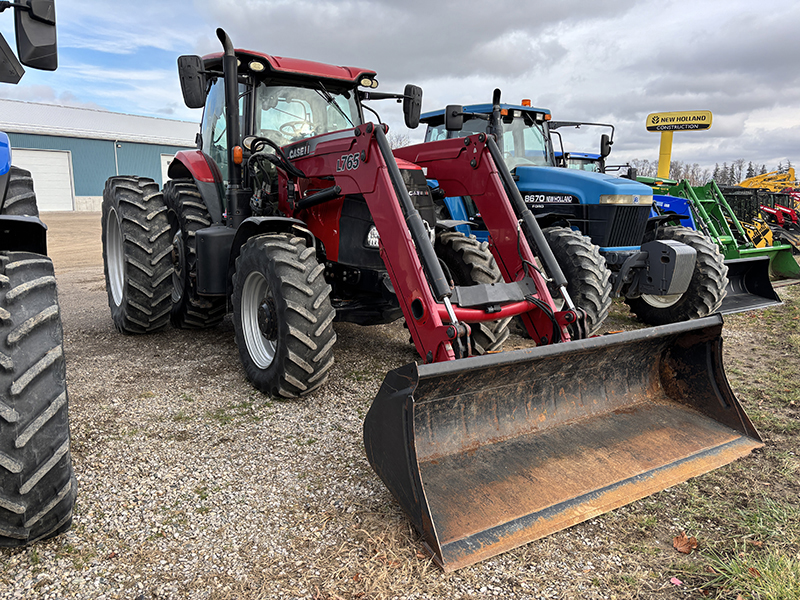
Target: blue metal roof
x,y
483,109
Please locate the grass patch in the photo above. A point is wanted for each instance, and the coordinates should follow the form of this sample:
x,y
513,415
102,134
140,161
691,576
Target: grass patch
x,y
248,410
181,417
761,575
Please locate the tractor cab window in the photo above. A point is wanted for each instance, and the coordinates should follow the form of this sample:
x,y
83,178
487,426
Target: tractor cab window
x,y
584,164
286,113
438,132
523,141
214,129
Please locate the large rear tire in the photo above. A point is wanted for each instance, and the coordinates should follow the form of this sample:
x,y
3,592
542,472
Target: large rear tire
x,y
706,289
37,483
588,278
282,315
20,197
470,262
188,214
136,254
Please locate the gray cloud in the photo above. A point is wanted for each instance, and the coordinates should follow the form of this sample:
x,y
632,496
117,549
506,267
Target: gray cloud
x,y
607,60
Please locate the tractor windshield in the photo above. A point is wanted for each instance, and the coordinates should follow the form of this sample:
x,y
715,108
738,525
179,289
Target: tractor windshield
x,y
286,114
522,139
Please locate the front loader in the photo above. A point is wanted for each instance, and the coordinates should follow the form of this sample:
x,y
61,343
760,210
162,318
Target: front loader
x,y
296,212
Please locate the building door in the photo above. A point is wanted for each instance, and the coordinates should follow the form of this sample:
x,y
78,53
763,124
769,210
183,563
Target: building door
x,y
52,176
166,159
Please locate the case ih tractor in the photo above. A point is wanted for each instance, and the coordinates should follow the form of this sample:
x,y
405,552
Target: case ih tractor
x,y
37,483
295,212
665,273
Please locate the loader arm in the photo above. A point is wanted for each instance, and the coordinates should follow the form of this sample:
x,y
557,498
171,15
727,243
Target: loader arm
x,y
359,161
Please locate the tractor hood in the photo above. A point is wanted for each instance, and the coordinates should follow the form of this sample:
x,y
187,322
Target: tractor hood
x,y
587,187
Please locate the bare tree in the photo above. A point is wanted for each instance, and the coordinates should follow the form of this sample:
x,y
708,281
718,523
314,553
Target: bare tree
x,y
398,140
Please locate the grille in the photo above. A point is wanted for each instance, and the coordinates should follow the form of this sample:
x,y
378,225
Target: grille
x,y
628,225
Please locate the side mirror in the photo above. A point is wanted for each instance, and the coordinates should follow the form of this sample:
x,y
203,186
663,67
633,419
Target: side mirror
x,y
454,117
36,34
412,105
605,145
10,69
193,81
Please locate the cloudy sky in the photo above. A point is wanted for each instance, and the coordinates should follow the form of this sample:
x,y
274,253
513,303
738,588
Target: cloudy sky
x,y
612,61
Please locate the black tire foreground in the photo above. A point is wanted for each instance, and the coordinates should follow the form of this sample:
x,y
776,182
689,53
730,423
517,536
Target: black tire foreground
x,y
137,254
706,289
282,315
20,197
588,278
37,483
187,214
470,262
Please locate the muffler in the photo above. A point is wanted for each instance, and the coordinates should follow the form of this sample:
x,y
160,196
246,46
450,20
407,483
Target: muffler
x,y
485,454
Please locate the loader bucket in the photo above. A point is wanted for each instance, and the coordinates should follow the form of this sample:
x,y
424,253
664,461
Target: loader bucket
x,y
488,453
749,287
783,264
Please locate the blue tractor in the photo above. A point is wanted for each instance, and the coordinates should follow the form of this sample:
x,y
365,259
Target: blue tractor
x,y
598,226
37,482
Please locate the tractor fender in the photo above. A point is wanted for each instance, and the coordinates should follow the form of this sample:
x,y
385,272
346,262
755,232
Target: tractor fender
x,y
5,165
23,234
219,246
200,167
254,226
553,219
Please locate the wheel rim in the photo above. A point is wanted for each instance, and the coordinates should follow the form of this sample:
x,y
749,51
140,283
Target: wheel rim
x,y
661,301
115,254
178,267
258,322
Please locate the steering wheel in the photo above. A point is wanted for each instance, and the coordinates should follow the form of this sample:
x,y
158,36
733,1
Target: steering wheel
x,y
294,129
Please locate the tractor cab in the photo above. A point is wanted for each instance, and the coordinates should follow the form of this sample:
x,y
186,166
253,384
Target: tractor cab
x,y
522,131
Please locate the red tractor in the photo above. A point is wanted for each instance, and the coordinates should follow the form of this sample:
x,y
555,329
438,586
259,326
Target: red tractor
x,y
295,212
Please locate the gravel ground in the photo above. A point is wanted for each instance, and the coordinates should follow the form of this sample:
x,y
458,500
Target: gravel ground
x,y
193,485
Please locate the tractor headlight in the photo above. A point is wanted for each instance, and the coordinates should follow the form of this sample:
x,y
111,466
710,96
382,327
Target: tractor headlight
x,y
626,199
373,239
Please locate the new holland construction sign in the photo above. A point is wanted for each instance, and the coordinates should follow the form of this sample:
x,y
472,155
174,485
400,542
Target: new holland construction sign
x,y
695,120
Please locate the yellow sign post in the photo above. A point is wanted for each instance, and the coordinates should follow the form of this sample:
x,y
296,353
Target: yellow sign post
x,y
667,123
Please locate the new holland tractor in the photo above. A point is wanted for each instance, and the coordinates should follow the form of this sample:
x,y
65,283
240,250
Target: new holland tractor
x,y
665,273
294,212
37,483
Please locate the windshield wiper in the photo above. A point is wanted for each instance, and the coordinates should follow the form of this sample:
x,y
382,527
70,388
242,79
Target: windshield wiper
x,y
328,97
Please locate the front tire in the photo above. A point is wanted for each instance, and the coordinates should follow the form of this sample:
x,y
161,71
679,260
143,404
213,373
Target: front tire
x,y
470,262
136,254
706,289
37,483
188,214
588,278
282,315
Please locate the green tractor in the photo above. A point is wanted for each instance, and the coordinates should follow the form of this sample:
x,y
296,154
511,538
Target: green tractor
x,y
749,266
